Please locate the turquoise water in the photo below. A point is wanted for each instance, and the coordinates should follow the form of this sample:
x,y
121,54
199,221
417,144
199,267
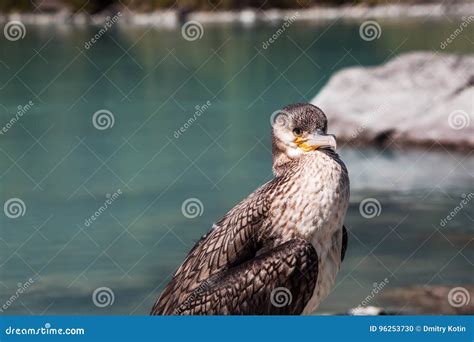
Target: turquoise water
x,y
151,80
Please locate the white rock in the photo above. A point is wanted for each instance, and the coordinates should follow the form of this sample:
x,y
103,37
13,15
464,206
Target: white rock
x,y
418,98
167,19
366,311
248,17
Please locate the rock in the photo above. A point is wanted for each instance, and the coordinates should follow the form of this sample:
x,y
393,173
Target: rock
x,y
440,300
375,311
417,98
421,300
367,311
168,19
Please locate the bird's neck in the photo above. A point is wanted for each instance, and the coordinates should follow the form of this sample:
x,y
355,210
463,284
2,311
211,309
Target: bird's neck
x,y
283,164
281,161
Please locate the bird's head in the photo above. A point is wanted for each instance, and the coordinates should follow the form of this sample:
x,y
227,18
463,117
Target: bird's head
x,y
298,129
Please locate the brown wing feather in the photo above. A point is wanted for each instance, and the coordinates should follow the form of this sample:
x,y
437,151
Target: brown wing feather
x,y
232,240
278,282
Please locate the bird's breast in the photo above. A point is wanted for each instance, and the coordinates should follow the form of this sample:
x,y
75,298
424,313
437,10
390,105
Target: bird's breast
x,y
323,201
313,201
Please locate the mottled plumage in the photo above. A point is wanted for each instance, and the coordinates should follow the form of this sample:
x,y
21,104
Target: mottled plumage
x,y
287,234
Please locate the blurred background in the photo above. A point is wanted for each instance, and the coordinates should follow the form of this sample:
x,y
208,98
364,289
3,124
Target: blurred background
x,y
125,136
95,6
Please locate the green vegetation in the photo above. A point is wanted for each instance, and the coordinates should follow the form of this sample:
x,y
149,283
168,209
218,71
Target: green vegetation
x,y
18,5
93,6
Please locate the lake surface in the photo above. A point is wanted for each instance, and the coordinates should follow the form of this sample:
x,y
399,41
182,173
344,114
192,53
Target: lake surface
x,y
151,80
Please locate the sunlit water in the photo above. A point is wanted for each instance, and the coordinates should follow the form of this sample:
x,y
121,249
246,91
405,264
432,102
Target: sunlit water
x,y
151,79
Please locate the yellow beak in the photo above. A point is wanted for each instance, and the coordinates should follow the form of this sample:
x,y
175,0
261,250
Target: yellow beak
x,y
315,141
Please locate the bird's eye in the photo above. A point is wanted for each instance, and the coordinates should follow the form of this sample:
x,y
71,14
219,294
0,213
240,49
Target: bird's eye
x,y
297,131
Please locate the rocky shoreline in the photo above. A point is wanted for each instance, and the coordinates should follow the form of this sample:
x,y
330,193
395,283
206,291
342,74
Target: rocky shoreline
x,y
429,300
421,300
173,17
